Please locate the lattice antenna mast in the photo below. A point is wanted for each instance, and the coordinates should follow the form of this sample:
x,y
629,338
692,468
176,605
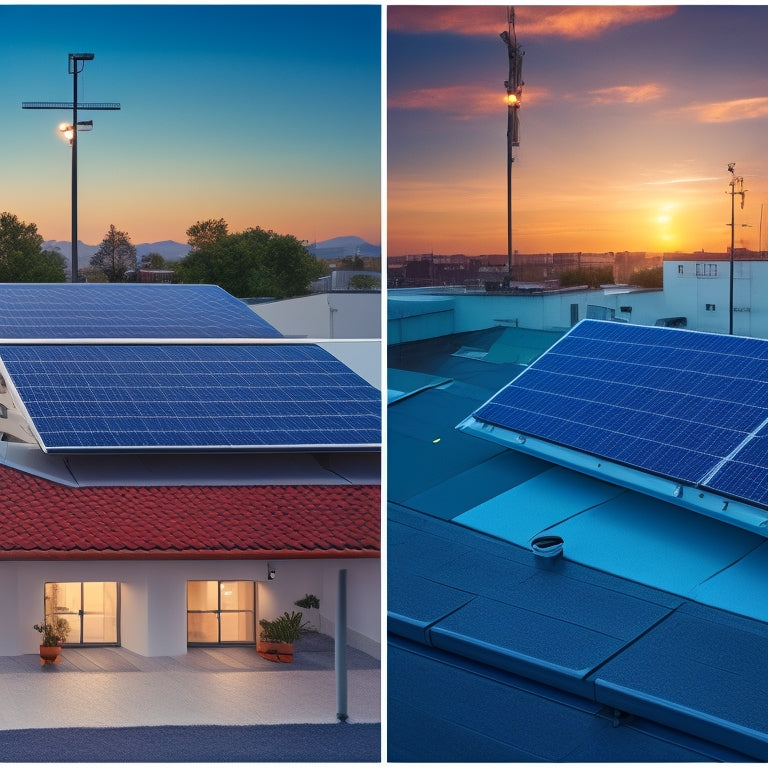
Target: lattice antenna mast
x,y
514,85
76,66
736,188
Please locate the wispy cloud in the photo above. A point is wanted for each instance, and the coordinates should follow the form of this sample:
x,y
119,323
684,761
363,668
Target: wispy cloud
x,y
628,94
463,102
726,111
689,180
533,21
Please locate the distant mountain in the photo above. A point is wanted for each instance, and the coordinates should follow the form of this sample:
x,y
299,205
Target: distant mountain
x,y
341,247
168,249
336,248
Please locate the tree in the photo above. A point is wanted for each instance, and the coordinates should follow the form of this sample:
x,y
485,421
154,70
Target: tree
x,y
593,277
653,277
116,255
207,232
154,261
21,257
364,282
255,262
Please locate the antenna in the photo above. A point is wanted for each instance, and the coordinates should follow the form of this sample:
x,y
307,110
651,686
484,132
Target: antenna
x,y
736,181
514,85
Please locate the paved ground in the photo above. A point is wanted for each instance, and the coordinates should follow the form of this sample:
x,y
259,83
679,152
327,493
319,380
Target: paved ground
x,y
146,705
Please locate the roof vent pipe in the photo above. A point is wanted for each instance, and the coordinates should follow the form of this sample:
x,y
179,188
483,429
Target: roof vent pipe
x,y
545,548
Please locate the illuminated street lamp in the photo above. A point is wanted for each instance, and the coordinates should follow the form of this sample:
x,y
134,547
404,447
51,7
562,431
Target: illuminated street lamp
x,y
68,132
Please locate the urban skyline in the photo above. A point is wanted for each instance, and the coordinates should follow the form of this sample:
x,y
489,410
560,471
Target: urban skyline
x,y
250,113
629,119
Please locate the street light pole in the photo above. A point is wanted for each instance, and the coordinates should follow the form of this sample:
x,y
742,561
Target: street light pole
x,y
74,58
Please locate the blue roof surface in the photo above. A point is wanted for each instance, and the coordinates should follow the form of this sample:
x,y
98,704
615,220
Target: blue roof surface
x,y
627,647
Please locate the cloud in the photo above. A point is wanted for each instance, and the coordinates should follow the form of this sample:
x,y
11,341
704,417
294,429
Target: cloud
x,y
463,102
727,111
690,180
628,94
531,21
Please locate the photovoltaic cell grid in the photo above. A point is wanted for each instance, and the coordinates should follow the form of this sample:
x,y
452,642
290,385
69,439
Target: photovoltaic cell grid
x,y
688,406
234,396
119,310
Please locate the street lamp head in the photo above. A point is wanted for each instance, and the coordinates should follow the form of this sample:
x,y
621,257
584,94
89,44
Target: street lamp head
x,y
81,56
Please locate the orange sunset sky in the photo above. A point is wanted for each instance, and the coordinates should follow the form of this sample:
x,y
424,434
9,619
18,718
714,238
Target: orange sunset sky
x,y
630,116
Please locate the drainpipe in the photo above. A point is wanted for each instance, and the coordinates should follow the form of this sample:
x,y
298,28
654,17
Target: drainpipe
x,y
341,648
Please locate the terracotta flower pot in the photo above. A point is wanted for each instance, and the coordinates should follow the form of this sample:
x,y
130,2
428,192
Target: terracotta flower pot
x,y
50,654
275,651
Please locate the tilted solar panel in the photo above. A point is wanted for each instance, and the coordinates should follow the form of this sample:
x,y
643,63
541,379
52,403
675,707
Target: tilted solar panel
x,y
126,311
144,397
691,407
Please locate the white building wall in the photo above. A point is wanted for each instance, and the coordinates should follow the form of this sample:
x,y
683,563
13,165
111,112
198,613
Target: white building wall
x,y
702,294
326,315
153,606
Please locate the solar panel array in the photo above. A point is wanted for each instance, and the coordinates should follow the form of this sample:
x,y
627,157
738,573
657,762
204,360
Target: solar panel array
x,y
684,405
85,397
210,382
125,310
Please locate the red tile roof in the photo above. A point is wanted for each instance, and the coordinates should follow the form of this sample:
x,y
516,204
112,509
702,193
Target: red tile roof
x,y
43,520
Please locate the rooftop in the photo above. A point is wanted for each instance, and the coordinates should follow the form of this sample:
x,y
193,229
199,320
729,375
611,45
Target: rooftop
x,y
645,639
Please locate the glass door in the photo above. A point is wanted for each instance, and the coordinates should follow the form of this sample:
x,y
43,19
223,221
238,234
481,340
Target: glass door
x,y
221,612
90,607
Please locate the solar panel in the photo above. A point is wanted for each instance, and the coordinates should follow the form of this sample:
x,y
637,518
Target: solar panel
x,y
144,397
687,406
125,310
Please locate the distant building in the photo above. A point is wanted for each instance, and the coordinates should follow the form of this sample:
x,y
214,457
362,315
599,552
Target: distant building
x,y
697,286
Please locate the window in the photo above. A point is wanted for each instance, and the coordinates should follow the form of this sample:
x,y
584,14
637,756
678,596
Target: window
x,y
710,307
90,607
680,269
221,612
706,270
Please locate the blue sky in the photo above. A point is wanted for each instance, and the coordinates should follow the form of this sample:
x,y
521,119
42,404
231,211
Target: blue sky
x,y
262,115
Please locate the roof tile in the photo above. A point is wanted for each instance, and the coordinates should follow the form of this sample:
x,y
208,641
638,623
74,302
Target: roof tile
x,y
40,519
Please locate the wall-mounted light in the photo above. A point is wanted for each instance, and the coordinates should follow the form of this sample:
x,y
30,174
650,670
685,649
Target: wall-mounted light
x,y
271,573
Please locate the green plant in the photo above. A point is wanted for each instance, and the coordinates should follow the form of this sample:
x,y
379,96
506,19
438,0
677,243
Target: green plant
x,y
308,601
284,629
54,632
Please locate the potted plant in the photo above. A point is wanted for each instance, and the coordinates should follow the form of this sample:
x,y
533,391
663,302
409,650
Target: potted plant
x,y
310,603
277,637
54,633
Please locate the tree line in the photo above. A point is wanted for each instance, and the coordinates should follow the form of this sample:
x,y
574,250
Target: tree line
x,y
254,262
